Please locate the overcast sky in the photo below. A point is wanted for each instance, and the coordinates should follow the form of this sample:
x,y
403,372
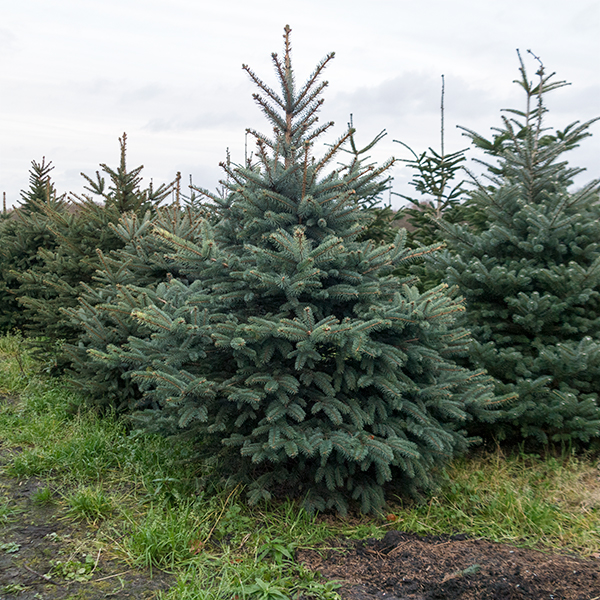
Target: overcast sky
x,y
76,74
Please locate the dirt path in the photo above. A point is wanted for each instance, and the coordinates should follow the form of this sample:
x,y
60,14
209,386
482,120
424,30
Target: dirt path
x,y
404,566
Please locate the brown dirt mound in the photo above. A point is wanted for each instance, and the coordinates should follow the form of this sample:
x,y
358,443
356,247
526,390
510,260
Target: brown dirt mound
x,y
404,566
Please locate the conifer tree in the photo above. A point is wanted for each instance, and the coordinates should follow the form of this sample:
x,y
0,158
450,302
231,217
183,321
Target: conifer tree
x,y
41,188
24,235
434,175
291,343
441,193
378,219
126,281
531,277
79,233
381,228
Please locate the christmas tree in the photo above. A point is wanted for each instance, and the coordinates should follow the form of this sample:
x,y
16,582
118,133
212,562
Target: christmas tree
x,y
126,281
531,276
441,193
79,232
24,233
433,178
322,375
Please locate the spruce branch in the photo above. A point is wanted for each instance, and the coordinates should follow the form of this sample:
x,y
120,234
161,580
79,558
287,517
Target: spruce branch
x,y
264,87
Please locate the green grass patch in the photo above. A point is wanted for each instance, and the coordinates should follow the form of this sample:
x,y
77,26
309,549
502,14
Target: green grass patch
x,y
520,499
17,369
91,504
7,511
43,497
162,536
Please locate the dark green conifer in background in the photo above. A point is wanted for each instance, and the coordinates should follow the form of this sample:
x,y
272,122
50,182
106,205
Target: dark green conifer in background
x,y
531,277
291,343
434,180
441,193
78,233
24,233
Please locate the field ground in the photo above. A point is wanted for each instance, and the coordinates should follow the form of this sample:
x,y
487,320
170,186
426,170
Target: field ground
x,y
90,510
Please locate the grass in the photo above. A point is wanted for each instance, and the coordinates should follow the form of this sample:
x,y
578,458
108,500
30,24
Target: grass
x,y
520,499
43,497
7,512
163,536
89,503
149,498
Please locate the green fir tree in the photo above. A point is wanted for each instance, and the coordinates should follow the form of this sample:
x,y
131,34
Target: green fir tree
x,y
433,179
531,277
441,193
322,375
126,282
24,234
79,232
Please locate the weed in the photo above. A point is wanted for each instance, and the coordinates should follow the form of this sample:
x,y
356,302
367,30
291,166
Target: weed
x,y
313,585
276,550
13,588
262,590
73,570
10,547
91,504
43,497
202,581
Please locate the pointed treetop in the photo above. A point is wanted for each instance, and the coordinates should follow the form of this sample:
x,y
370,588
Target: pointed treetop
x,y
527,125
300,107
124,191
41,187
288,47
288,184
123,144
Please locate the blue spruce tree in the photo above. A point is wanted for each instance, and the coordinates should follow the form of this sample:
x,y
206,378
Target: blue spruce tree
x,y
26,233
292,346
126,281
65,269
531,275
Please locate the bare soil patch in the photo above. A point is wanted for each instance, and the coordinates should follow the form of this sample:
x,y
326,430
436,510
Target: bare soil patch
x,y
46,555
404,566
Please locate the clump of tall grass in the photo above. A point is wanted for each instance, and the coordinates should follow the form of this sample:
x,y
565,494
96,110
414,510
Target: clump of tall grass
x,y
89,503
17,367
